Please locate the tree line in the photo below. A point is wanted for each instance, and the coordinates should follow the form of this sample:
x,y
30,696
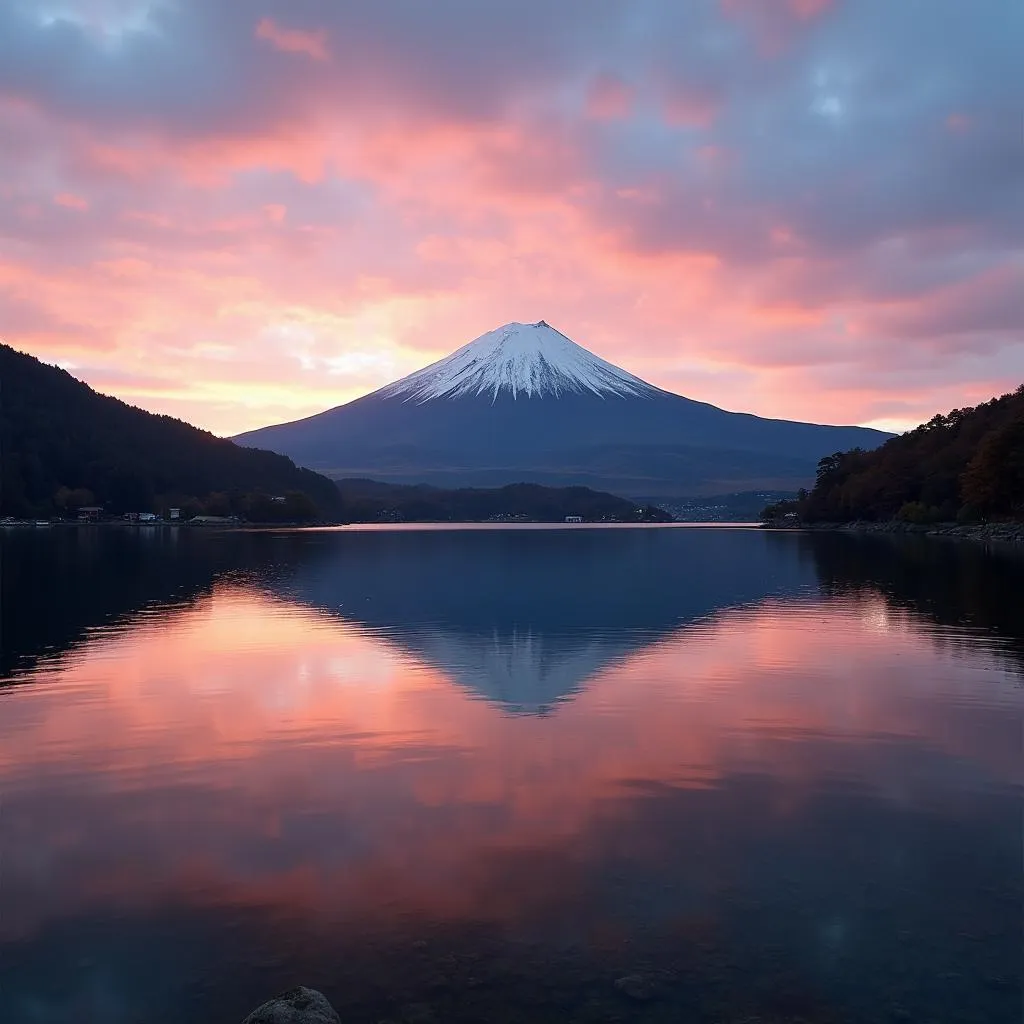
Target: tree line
x,y
63,446
370,501
965,466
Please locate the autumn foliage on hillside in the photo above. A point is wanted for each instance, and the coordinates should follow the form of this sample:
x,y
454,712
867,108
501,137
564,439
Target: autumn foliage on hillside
x,y
967,465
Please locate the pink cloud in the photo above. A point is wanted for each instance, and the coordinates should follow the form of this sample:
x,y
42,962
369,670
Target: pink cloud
x,y
296,251
71,201
176,286
691,108
775,25
291,40
608,98
987,304
805,9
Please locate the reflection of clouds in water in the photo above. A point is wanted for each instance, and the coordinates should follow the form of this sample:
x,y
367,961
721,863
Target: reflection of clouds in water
x,y
732,747
299,784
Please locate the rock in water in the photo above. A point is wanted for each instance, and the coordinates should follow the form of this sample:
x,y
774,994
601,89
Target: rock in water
x,y
297,1006
638,987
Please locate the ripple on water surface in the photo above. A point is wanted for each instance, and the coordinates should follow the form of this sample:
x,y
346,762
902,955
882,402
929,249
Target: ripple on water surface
x,y
513,775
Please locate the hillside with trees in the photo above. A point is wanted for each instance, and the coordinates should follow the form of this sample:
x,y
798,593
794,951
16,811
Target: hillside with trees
x,y
63,445
966,466
367,501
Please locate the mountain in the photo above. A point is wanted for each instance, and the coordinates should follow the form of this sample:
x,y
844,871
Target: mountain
x,y
525,403
62,444
367,501
519,360
966,465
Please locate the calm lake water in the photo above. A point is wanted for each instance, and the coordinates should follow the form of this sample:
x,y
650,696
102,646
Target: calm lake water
x,y
585,775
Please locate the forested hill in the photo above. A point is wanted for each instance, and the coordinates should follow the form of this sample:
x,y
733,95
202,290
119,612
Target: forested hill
x,y
62,445
370,501
966,466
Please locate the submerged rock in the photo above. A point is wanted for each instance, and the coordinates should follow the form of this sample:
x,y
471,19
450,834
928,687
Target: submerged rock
x,y
638,987
297,1006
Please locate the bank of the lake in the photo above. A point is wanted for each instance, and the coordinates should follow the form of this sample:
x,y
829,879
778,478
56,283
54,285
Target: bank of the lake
x,y
1012,533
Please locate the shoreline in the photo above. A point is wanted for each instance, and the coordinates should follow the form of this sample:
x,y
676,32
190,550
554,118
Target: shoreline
x,y
413,524
118,524
1004,533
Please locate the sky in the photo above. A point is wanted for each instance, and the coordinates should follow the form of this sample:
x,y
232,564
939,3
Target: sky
x,y
241,212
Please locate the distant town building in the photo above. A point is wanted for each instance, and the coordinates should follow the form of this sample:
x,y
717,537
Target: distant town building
x,y
574,519
90,513
175,513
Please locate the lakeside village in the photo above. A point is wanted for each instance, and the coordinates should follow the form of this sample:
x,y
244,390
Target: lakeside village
x,y
89,515
97,515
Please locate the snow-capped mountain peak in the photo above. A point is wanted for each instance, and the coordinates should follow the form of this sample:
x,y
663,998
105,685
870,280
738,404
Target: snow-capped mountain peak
x,y
521,360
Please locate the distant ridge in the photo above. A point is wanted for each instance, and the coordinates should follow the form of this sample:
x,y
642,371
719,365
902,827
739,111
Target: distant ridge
x,y
525,403
370,501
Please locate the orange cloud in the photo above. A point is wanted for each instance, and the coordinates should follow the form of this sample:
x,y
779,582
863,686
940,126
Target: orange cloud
x,y
291,40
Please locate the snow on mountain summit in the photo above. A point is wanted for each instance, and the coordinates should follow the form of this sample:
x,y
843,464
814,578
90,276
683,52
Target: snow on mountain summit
x,y
522,360
523,403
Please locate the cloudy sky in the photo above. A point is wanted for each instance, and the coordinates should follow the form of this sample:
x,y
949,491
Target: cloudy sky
x,y
244,211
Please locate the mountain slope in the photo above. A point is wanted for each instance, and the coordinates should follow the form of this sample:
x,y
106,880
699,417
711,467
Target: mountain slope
x,y
56,432
967,464
524,403
522,360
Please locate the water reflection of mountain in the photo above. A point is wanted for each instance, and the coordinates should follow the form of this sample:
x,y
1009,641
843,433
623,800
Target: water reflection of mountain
x,y
525,618
522,617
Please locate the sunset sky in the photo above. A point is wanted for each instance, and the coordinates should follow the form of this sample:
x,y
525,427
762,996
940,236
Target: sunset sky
x,y
244,211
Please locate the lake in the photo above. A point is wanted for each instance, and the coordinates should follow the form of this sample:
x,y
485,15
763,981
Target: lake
x,y
570,774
